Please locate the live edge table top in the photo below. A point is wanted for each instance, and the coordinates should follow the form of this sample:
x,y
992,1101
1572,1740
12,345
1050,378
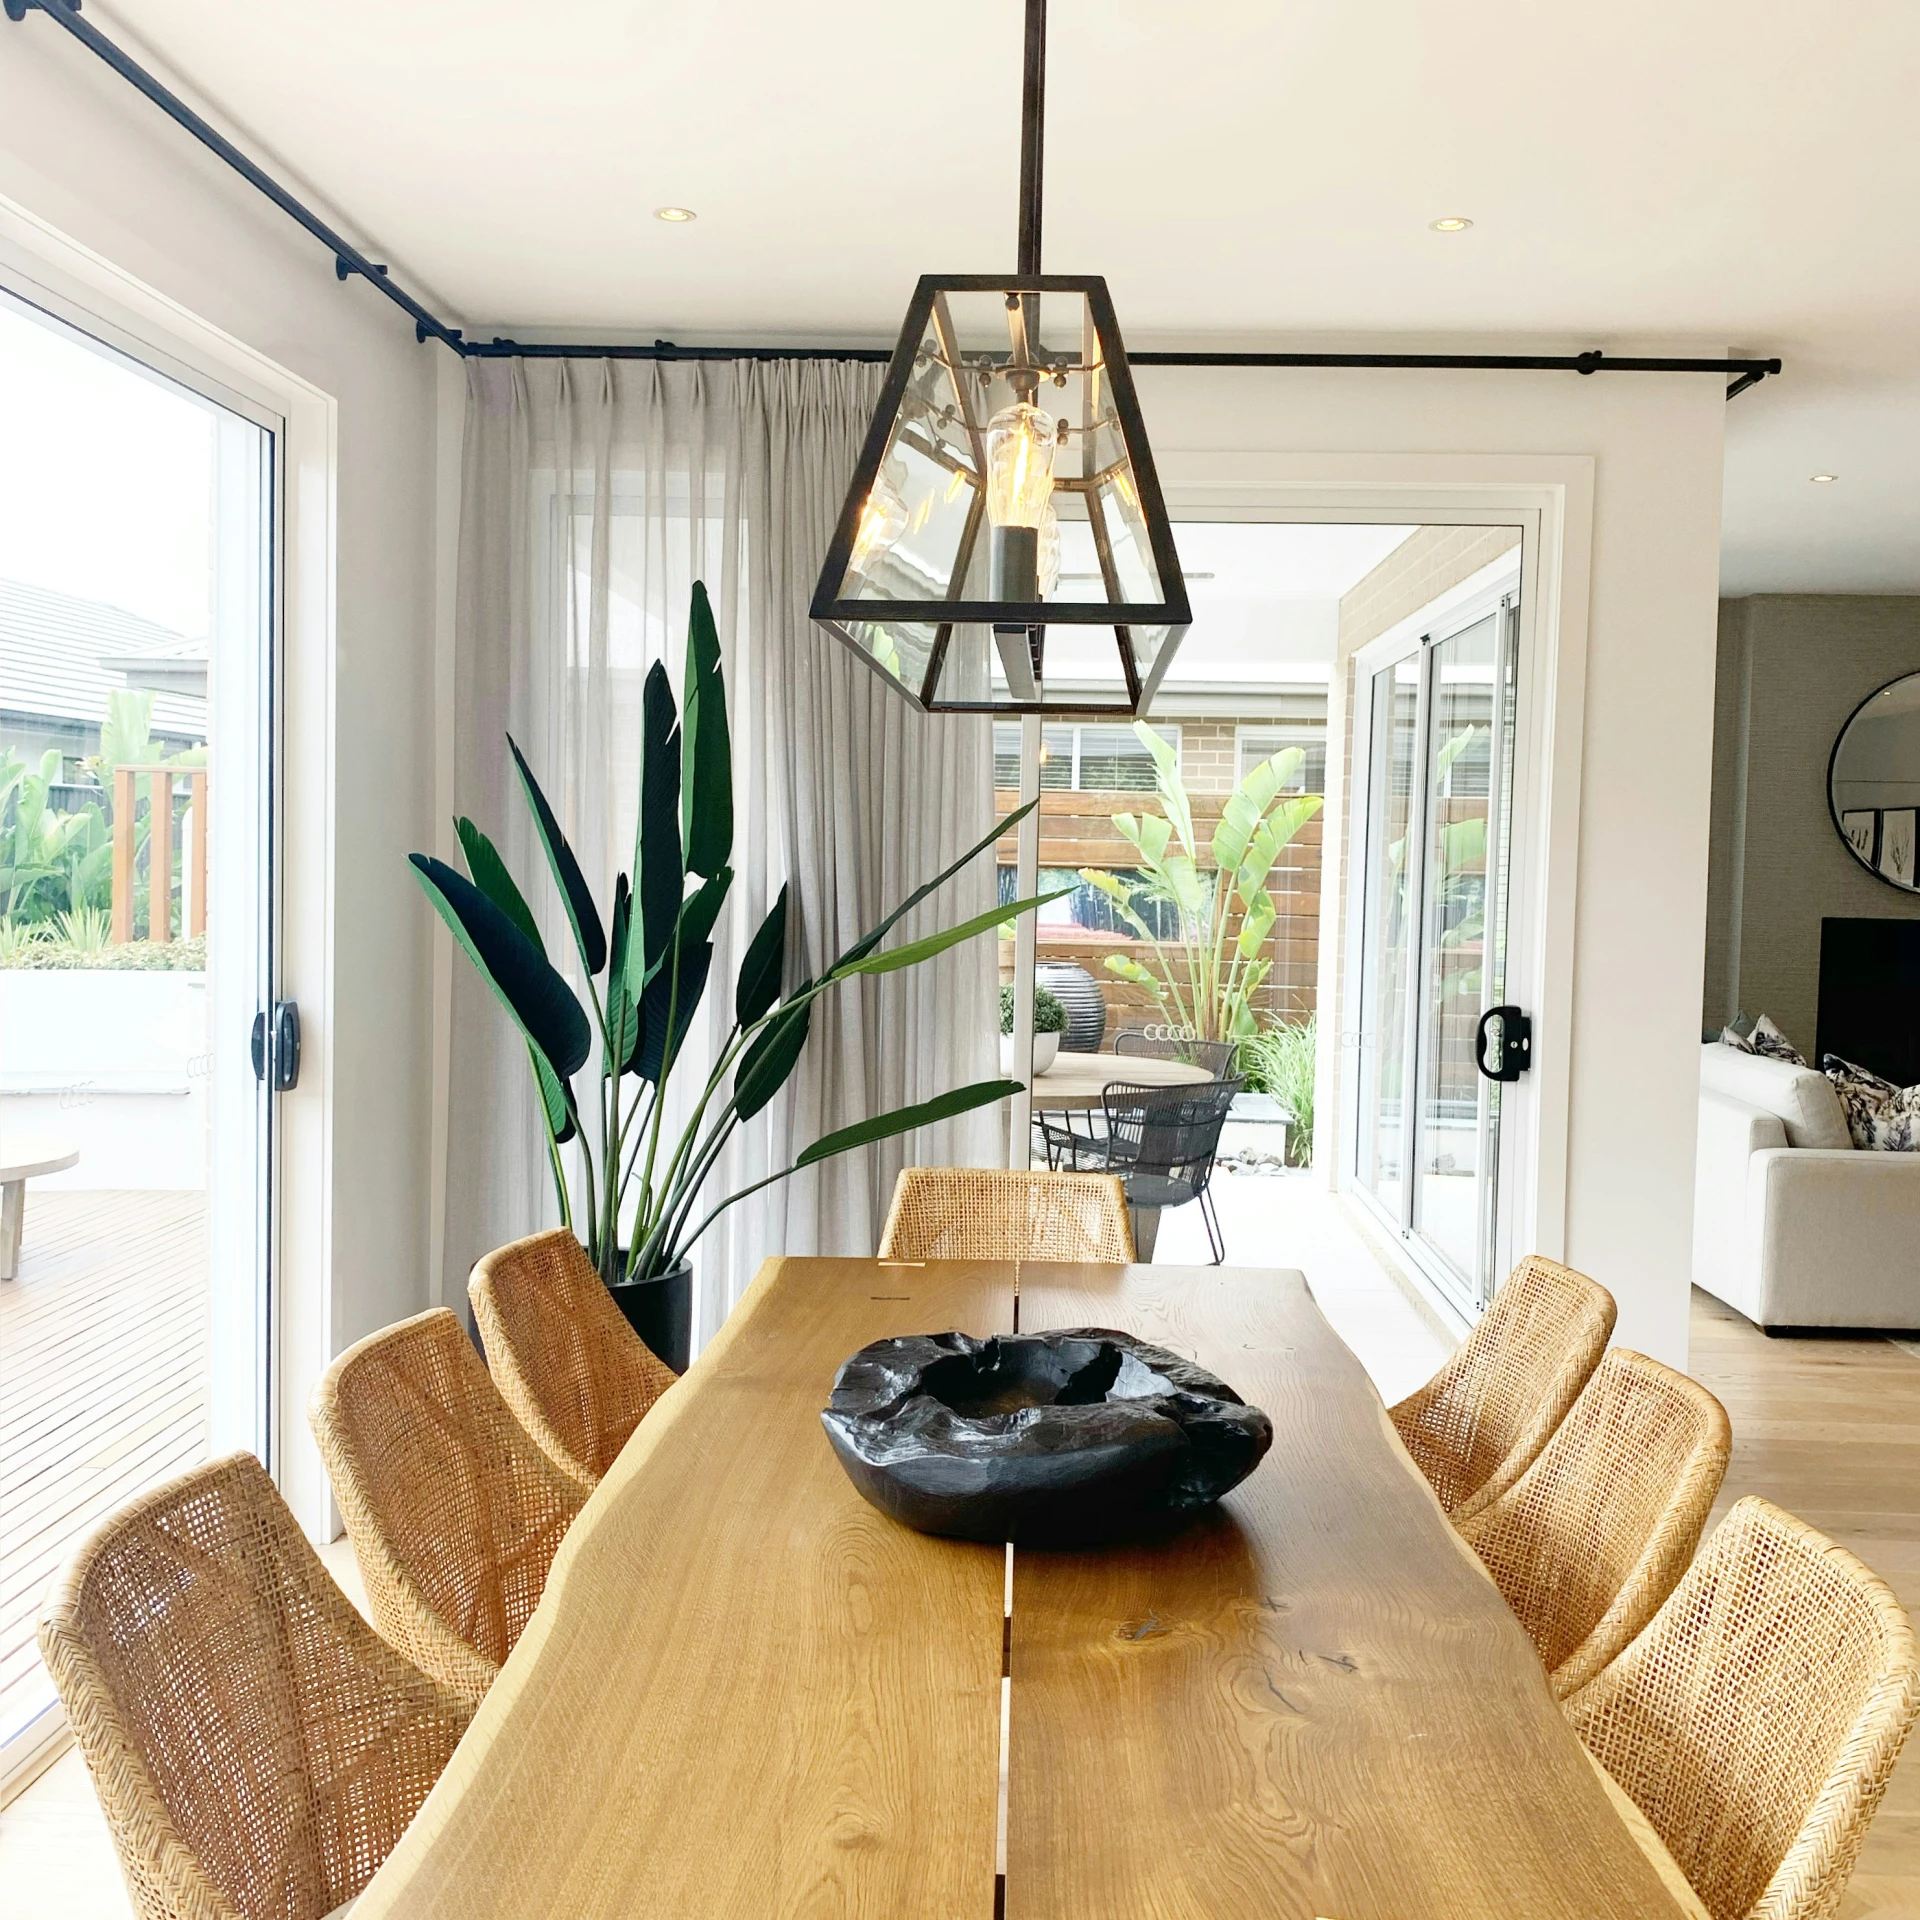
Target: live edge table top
x,y
748,1693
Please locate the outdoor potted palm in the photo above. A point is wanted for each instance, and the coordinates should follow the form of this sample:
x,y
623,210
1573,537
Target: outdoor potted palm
x,y
632,1189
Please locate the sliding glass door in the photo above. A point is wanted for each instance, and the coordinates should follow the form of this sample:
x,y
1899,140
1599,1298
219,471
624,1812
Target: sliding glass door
x,y
1436,713
136,894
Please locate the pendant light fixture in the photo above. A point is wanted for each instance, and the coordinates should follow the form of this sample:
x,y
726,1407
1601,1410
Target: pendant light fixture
x,y
1004,547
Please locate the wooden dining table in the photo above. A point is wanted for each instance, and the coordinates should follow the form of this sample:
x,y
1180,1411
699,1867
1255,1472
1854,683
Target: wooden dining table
x,y
1076,1082
746,1692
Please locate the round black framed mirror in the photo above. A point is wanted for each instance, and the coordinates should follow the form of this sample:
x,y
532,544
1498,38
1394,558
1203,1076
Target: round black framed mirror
x,y
1873,783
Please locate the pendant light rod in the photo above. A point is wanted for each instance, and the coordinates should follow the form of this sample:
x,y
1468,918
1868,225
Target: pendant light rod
x,y
350,262
1033,135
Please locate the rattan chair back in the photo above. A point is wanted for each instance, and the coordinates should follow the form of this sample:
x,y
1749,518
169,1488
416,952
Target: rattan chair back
x,y
1481,1421
1589,1541
1757,1720
454,1513
984,1213
577,1377
256,1746
1216,1056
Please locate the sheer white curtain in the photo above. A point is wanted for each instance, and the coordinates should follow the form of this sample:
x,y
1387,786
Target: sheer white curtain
x,y
595,493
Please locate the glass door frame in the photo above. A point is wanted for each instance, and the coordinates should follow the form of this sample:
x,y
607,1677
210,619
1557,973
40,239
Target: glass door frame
x,y
243,1402
1497,1210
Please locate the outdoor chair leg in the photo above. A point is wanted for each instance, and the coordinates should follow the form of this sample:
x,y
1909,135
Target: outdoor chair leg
x,y
1215,1238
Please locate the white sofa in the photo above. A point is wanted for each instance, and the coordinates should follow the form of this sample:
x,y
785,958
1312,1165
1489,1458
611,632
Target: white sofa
x,y
1791,1225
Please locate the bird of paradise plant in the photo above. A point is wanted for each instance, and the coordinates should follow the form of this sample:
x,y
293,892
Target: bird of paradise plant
x,y
1204,981
633,1187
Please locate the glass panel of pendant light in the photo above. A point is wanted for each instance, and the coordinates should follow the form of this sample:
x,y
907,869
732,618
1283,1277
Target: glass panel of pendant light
x,y
1004,515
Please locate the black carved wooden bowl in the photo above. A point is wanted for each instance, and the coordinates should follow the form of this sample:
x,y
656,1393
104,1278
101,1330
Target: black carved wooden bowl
x,y
1048,1439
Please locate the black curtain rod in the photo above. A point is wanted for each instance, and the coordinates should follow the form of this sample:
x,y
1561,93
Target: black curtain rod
x,y
348,261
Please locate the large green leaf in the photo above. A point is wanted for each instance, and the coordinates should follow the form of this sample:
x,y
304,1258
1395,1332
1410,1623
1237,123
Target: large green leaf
x,y
866,944
702,908
706,752
490,875
758,986
623,1013
883,1126
654,1057
553,1097
660,877
1172,791
541,1003
770,1057
916,951
582,915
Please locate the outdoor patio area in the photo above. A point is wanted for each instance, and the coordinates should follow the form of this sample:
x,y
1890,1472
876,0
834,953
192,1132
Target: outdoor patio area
x,y
103,1352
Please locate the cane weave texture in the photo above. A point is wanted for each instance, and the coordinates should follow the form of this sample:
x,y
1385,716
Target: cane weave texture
x,y
454,1513
1757,1720
256,1746
1481,1421
577,1377
1589,1541
976,1213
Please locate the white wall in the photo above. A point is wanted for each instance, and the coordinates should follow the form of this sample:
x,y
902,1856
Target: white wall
x,y
1656,444
83,152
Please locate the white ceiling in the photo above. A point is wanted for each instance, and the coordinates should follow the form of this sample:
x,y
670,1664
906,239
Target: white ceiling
x,y
1741,173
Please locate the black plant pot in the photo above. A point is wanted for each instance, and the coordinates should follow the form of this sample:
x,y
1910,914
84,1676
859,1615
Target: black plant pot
x,y
660,1311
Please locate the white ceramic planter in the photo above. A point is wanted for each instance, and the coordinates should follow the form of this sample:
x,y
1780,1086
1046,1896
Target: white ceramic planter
x,y
1045,1046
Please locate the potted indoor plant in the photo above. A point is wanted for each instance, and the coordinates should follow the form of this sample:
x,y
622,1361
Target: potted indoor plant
x,y
630,1188
1049,1023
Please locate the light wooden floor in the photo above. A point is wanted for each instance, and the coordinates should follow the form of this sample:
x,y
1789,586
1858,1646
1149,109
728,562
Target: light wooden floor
x,y
1830,1430
103,1355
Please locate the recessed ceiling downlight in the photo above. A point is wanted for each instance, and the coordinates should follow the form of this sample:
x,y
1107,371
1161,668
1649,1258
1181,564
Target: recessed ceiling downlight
x,y
1823,479
1450,223
677,216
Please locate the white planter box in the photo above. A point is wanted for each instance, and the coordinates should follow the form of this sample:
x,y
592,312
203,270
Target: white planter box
x,y
114,1062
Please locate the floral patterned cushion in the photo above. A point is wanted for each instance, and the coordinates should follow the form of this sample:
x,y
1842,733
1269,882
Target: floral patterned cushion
x,y
1765,1039
1880,1116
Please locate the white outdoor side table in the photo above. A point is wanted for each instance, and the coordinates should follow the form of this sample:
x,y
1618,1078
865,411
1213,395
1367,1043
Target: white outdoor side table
x,y
22,1157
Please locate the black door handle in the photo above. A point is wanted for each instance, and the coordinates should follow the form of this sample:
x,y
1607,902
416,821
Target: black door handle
x,y
1512,1049
276,1046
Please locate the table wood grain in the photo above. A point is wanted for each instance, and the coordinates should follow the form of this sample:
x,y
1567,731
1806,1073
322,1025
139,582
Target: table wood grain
x,y
1075,1081
1313,1703
745,1692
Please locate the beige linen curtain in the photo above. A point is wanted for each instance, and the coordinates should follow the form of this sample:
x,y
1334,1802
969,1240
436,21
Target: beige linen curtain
x,y
595,492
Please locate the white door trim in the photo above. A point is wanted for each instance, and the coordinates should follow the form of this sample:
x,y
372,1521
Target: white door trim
x,y
1550,496
73,282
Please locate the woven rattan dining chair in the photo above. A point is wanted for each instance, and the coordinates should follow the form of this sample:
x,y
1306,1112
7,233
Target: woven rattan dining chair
x,y
1481,1421
1756,1721
256,1746
1589,1541
453,1512
982,1213
577,1377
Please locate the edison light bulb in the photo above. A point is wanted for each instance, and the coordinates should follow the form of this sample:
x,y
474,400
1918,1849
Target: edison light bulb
x,y
1020,447
883,519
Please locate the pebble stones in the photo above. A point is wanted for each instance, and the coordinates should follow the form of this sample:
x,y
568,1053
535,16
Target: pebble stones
x,y
1053,1439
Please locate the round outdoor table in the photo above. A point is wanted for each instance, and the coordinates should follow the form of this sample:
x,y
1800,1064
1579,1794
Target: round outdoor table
x,y
1075,1081
22,1156
1074,1084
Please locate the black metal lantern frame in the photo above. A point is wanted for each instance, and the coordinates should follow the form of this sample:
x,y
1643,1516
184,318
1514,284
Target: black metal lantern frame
x,y
921,618
948,556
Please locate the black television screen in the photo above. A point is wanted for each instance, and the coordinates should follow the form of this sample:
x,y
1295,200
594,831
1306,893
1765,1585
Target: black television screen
x,y
1870,996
